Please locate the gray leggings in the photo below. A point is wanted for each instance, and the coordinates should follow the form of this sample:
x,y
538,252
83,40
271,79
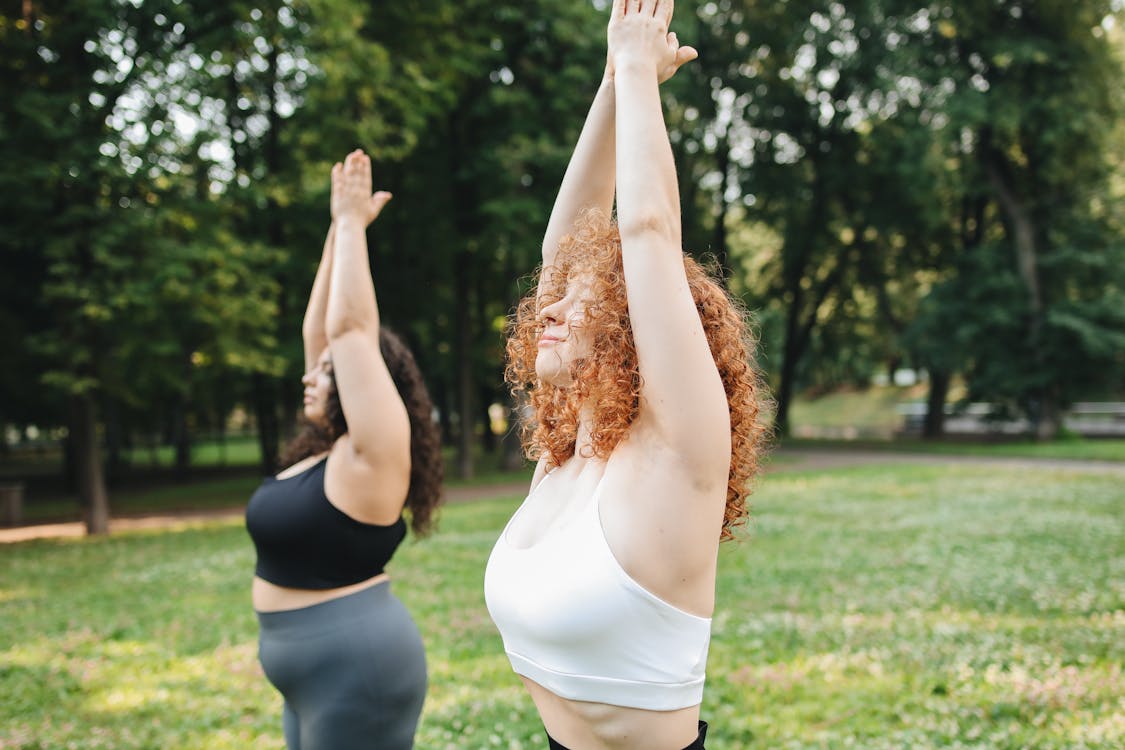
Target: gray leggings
x,y
352,671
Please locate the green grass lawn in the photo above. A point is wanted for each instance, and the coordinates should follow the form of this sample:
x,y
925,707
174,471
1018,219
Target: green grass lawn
x,y
869,412
877,607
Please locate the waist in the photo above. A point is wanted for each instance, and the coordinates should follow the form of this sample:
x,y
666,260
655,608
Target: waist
x,y
600,726
269,597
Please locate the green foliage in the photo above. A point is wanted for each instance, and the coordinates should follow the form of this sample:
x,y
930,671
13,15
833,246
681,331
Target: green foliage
x,y
1031,307
166,171
879,607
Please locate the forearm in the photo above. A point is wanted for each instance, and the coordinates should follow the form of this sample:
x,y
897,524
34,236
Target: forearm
x,y
312,329
351,301
647,192
589,179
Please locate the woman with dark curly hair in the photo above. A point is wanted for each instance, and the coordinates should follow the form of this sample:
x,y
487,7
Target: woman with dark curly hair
x,y
637,365
339,646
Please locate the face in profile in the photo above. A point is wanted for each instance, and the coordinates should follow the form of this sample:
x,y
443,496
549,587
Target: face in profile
x,y
319,384
564,340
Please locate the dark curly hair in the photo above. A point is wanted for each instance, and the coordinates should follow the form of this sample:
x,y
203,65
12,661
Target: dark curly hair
x,y
610,377
427,470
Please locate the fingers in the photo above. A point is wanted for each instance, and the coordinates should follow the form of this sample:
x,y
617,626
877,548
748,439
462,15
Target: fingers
x,y
378,201
659,9
683,54
357,160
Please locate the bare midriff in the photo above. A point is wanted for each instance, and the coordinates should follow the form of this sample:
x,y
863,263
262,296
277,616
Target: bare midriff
x,y
598,726
269,597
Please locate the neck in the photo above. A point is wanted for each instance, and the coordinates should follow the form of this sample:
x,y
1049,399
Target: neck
x,y
585,423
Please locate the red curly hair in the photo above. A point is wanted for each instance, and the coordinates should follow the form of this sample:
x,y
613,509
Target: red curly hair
x,y
610,376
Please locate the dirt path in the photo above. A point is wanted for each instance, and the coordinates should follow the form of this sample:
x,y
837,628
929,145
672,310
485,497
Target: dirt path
x,y
185,519
802,459
787,460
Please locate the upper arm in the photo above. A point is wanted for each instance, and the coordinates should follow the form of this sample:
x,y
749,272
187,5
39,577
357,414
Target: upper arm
x,y
682,394
378,424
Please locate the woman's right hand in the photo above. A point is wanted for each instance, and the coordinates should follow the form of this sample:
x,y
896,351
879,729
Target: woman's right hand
x,y
638,32
684,54
351,190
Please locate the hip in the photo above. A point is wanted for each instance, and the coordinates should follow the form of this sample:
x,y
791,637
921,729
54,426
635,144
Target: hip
x,y
269,597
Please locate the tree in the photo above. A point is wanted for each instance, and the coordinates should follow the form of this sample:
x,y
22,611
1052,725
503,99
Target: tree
x,y
1029,97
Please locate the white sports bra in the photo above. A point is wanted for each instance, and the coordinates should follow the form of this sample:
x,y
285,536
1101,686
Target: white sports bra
x,y
573,621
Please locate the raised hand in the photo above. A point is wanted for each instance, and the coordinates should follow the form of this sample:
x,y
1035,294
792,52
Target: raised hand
x,y
351,190
684,54
638,34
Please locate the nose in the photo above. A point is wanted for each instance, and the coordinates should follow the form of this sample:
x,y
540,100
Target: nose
x,y
307,379
551,314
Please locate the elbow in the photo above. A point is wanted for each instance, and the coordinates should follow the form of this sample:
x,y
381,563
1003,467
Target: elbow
x,y
649,224
339,326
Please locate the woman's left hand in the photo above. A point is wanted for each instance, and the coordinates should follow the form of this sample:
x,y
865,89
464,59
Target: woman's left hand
x,y
351,190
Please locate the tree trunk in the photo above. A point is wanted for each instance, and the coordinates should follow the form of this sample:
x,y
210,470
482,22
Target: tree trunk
x,y
265,410
464,367
91,481
466,221
722,156
443,399
1047,417
933,426
790,355
114,441
180,436
180,440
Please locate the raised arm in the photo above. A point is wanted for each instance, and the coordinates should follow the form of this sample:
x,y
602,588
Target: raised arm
x,y
378,428
312,329
682,399
589,178
588,182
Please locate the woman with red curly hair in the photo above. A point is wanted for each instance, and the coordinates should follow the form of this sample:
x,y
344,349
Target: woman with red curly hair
x,y
637,366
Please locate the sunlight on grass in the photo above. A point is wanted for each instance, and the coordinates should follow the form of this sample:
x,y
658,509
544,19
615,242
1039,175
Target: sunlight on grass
x,y
874,607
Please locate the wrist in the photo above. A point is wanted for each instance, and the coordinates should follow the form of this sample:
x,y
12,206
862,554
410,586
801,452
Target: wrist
x,y
349,221
630,65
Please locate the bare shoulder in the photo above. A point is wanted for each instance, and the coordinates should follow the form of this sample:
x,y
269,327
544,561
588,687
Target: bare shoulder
x,y
367,493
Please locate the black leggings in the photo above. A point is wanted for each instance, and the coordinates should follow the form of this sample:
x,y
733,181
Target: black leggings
x,y
352,671
697,745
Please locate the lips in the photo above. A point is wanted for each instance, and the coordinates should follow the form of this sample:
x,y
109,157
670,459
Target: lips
x,y
548,340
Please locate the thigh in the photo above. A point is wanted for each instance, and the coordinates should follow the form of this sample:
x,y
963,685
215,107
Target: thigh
x,y
291,727
371,692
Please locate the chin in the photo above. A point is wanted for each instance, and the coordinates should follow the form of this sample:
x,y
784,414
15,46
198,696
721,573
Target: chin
x,y
553,372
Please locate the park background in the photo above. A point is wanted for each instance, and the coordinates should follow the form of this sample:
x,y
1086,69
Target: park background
x,y
921,203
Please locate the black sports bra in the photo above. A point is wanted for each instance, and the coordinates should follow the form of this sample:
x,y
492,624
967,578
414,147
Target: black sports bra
x,y
306,542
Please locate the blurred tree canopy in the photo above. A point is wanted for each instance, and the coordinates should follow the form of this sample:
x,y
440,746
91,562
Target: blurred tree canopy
x,y
935,184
